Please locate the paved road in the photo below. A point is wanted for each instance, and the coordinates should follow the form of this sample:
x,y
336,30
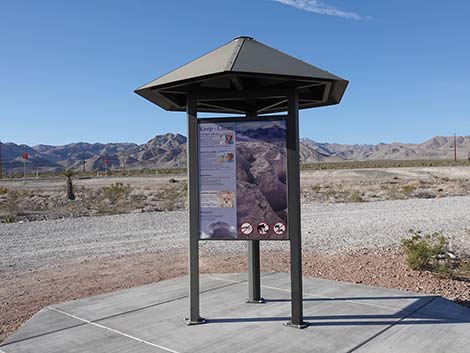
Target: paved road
x,y
326,228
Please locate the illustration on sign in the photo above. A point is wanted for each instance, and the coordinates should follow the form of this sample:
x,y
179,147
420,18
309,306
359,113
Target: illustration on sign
x,y
242,180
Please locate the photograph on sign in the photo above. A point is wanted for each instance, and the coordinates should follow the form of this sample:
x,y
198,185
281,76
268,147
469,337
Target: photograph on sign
x,y
243,180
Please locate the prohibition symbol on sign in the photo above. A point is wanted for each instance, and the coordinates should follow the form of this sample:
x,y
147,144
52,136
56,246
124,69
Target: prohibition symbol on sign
x,y
246,228
279,228
263,228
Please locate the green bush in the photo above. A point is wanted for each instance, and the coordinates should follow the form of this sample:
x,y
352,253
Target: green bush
x,y
116,191
464,268
8,219
427,251
3,190
356,196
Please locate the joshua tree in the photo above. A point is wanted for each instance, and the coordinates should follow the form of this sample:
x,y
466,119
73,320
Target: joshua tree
x,y
68,184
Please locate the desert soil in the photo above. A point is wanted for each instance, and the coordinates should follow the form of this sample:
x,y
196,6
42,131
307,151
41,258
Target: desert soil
x,y
43,199
52,261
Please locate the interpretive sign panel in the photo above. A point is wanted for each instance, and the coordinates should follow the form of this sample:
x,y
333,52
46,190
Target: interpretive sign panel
x,y
243,179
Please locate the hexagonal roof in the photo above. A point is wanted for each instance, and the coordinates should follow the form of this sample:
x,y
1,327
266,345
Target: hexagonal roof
x,y
241,76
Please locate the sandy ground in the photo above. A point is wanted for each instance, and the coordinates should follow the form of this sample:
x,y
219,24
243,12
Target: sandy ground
x,y
57,184
25,293
53,261
307,178
44,199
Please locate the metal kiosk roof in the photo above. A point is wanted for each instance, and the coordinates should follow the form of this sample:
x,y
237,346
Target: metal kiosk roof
x,y
242,76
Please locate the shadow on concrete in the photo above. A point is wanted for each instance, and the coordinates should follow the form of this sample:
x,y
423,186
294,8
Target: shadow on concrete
x,y
410,315
355,298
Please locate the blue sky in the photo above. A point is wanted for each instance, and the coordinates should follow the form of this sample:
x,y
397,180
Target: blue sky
x,y
68,68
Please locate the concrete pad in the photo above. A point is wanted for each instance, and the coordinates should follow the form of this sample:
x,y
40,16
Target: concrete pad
x,y
344,318
44,322
81,339
343,291
128,300
441,326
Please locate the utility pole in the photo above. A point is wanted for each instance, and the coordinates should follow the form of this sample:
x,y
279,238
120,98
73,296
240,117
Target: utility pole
x,y
84,162
455,147
1,161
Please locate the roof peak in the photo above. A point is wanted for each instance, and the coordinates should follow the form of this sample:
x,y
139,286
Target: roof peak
x,y
243,37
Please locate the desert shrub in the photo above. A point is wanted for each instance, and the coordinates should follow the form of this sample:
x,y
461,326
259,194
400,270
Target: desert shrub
x,y
116,192
356,196
316,187
408,188
10,208
3,190
172,196
427,251
8,219
464,268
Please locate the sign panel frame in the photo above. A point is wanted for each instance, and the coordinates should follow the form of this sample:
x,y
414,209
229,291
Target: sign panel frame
x,y
278,230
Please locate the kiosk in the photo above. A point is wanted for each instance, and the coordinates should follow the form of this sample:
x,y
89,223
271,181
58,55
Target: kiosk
x,y
247,78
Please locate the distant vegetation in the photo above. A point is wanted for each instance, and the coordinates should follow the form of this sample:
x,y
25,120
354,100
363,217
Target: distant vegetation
x,y
383,164
113,173
303,166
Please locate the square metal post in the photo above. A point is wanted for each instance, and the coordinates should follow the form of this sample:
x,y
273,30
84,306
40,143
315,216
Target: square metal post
x,y
293,199
193,194
254,275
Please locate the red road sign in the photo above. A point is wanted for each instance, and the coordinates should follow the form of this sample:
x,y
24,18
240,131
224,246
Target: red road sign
x,y
105,161
25,155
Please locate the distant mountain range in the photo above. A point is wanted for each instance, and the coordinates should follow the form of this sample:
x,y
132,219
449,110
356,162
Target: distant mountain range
x,y
163,151
169,151
439,147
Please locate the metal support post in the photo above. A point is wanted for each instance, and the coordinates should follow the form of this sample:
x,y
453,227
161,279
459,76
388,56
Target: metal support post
x,y
254,275
294,227
193,193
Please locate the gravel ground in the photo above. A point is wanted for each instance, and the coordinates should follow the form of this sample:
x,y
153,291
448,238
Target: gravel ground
x,y
53,261
326,228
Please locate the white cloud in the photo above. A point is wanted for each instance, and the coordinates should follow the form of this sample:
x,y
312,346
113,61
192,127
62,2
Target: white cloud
x,y
321,8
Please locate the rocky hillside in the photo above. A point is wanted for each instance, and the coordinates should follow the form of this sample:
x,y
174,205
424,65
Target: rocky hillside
x,y
163,151
169,151
439,147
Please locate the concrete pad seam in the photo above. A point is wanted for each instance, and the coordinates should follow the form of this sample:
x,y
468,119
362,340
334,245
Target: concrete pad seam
x,y
370,339
236,281
36,336
41,335
345,300
226,279
116,331
154,304
159,303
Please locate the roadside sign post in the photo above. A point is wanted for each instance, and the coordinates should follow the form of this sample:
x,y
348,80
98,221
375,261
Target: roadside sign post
x,y
106,162
227,202
25,157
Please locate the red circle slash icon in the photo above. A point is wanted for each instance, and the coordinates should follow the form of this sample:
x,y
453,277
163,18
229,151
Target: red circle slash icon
x,y
263,228
25,155
246,228
279,228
